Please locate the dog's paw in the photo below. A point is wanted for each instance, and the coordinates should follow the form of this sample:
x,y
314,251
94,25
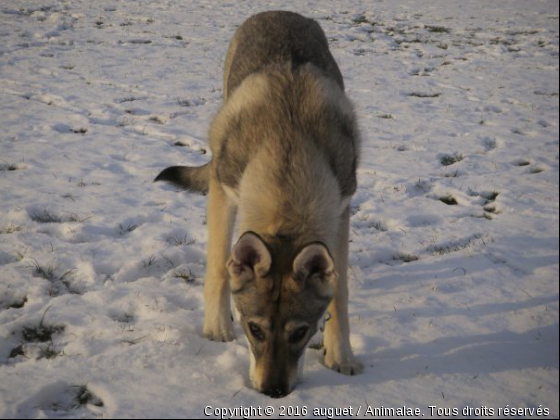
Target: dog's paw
x,y
349,366
219,331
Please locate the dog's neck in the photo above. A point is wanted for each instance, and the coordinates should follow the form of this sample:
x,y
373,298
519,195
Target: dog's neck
x,y
272,204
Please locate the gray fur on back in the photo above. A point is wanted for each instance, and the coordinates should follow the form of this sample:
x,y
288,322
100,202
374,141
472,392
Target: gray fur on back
x,y
304,103
277,37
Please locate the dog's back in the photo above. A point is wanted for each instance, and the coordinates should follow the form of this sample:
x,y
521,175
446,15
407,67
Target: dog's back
x,y
271,38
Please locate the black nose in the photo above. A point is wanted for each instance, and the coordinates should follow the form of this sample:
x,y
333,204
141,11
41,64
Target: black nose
x,y
276,392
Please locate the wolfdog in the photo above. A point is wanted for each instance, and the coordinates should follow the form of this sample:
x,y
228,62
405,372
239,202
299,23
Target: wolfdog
x,y
285,148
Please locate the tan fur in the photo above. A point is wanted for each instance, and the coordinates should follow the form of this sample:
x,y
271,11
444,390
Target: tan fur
x,y
221,217
338,351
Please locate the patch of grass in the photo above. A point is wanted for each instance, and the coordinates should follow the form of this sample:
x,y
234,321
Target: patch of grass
x,y
83,184
424,95
473,193
135,341
123,230
191,102
456,246
360,20
48,272
69,197
552,94
84,397
179,143
423,186
61,282
17,304
179,241
16,352
503,41
124,318
188,278
449,200
405,43
437,29
127,99
149,262
41,333
140,41
184,102
393,30
46,216
490,197
455,174
490,143
491,209
158,120
524,32
49,352
448,160
74,218
406,258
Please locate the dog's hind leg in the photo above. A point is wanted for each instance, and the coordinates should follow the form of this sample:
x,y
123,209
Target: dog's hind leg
x,y
218,325
338,352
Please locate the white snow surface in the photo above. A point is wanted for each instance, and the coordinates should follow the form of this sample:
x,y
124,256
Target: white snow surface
x,y
451,306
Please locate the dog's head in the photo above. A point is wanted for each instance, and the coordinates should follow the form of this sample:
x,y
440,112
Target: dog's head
x,y
281,296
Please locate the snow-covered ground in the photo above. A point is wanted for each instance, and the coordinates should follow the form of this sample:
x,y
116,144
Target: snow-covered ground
x,y
454,253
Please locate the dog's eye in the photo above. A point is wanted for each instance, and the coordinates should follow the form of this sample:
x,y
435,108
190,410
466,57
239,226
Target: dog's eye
x,y
256,331
298,335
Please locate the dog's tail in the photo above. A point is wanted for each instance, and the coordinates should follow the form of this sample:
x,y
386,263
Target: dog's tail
x,y
191,179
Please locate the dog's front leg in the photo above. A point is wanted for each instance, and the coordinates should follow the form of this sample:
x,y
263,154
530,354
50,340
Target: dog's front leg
x,y
338,352
218,325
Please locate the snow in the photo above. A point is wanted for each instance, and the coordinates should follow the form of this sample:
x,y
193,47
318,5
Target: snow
x,y
451,306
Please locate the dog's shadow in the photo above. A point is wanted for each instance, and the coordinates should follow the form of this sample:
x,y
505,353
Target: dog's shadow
x,y
471,356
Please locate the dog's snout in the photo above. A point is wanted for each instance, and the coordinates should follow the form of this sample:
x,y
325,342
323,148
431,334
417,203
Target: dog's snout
x,y
276,392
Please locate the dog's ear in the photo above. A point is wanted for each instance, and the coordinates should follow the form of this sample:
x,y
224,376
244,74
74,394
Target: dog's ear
x,y
314,266
250,258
